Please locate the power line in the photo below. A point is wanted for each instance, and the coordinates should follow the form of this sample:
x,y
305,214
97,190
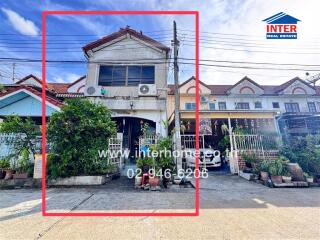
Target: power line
x,y
154,61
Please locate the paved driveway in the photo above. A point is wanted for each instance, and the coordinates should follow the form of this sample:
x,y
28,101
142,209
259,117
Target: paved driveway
x,y
231,208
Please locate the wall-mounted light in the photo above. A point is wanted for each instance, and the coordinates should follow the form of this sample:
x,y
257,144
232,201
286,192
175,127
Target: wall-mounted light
x,y
131,105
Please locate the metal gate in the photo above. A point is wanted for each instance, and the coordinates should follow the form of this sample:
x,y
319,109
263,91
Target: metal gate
x,y
115,152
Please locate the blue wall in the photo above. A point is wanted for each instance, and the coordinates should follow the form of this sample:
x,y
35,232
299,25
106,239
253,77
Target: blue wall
x,y
28,107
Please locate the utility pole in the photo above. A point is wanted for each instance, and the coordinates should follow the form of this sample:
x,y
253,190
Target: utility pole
x,y
178,148
13,72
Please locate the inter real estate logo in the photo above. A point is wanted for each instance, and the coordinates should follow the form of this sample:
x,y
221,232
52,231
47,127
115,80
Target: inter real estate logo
x,y
281,26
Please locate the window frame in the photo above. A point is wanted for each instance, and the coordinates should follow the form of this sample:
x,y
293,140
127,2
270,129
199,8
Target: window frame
x,y
277,104
212,104
242,104
190,104
313,104
126,82
255,105
291,104
222,103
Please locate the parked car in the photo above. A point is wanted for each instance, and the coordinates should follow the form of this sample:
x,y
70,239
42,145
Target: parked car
x,y
207,158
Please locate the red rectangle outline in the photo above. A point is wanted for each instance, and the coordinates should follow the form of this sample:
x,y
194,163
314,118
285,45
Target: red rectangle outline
x,y
137,214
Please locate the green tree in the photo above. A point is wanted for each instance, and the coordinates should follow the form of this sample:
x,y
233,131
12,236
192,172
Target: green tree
x,y
76,134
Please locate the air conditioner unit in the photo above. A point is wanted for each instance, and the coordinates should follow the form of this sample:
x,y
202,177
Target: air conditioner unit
x,y
95,91
147,90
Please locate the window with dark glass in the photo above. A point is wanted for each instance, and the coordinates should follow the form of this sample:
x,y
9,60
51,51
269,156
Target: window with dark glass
x,y
147,74
118,76
312,107
242,105
212,106
105,76
222,105
190,106
275,105
126,75
257,105
292,107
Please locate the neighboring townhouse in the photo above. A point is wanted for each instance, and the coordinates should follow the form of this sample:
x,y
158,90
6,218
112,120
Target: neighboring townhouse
x,y
24,98
127,72
290,108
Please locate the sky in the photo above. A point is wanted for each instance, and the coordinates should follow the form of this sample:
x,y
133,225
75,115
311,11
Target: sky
x,y
230,30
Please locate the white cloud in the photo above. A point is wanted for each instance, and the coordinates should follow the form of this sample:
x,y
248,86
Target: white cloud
x,y
21,24
68,78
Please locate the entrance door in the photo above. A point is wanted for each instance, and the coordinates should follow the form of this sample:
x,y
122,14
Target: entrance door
x,y
131,128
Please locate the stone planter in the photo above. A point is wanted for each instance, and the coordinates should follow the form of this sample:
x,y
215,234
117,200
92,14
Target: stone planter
x,y
264,176
309,179
20,175
78,181
287,179
296,172
276,179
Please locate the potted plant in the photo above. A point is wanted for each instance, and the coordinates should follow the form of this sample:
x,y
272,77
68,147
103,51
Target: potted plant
x,y
286,176
143,168
264,168
308,177
250,159
276,170
4,166
137,180
154,181
23,165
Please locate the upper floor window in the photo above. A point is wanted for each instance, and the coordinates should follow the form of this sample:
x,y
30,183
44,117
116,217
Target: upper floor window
x,y
126,75
212,106
190,106
312,107
222,105
242,105
292,107
258,105
275,105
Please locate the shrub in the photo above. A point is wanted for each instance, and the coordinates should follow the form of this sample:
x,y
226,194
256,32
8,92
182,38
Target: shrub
x,y
305,151
277,167
4,163
76,134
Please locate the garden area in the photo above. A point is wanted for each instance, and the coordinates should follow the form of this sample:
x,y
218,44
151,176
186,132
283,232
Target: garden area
x,y
297,164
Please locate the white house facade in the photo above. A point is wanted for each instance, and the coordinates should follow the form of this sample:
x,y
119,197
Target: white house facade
x,y
127,72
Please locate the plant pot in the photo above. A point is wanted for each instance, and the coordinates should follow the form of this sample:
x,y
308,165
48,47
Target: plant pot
x,y
9,174
154,181
177,180
137,181
264,176
286,179
276,179
309,179
20,175
2,173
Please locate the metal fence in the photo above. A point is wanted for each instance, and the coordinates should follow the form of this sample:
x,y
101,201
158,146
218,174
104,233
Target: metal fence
x,y
188,141
263,146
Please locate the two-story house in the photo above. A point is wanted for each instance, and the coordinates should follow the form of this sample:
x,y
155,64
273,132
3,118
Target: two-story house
x,y
290,108
127,72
